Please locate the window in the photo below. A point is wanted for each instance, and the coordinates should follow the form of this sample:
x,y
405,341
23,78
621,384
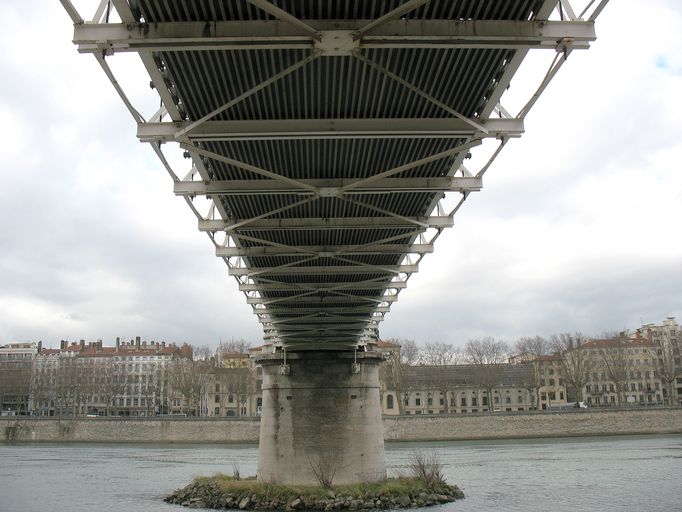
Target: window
x,y
508,400
485,400
389,402
417,401
217,387
216,411
588,388
463,402
442,402
474,401
430,401
230,398
216,399
561,395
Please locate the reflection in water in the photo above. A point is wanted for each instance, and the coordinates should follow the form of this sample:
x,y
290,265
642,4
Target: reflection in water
x,y
605,474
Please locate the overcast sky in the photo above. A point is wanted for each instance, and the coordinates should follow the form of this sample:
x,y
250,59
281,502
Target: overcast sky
x,y
578,226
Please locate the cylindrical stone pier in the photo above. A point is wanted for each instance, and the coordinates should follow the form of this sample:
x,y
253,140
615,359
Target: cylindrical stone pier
x,y
321,414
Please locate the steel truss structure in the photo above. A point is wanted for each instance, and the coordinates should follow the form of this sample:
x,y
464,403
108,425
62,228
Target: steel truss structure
x,y
329,135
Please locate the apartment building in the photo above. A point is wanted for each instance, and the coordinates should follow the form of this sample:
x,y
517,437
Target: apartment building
x,y
16,362
621,372
133,378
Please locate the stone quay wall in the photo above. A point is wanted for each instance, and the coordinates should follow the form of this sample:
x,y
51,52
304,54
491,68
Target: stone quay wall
x,y
405,428
572,423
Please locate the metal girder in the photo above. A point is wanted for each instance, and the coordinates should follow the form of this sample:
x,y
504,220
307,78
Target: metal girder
x,y
329,299
324,250
324,270
284,287
318,309
303,224
327,188
275,34
328,129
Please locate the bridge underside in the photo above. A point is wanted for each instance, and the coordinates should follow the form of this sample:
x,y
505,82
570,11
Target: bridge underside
x,y
330,139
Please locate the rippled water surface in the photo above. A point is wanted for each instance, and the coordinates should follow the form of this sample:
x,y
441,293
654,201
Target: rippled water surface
x,y
601,474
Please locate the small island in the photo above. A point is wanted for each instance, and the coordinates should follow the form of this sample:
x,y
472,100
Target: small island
x,y
226,492
425,486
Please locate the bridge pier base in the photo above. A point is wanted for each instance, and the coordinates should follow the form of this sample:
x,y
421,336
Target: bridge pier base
x,y
321,415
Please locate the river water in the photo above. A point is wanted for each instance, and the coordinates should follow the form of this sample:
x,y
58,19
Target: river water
x,y
638,473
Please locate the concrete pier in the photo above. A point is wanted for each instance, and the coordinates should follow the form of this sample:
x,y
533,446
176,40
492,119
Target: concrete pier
x,y
321,414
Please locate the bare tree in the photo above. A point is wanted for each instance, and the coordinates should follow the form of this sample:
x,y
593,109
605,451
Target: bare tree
x,y
325,464
576,363
487,355
202,352
392,376
532,348
532,345
190,381
240,346
666,356
111,384
617,362
409,352
438,353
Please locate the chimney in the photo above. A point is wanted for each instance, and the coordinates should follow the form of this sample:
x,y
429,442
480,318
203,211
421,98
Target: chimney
x,y
82,344
118,344
40,347
163,344
137,343
62,345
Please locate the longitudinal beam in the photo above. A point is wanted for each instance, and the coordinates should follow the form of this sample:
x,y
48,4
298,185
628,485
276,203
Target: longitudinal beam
x,y
275,34
329,129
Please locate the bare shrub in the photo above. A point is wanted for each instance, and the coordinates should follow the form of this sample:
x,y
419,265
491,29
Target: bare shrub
x,y
325,465
235,470
426,466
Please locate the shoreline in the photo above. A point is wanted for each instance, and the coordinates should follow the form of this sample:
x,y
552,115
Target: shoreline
x,y
482,427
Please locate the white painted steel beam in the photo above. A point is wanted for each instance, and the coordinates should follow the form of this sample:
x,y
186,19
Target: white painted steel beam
x,y
322,250
362,285
327,300
327,188
319,309
323,270
329,129
305,224
261,34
